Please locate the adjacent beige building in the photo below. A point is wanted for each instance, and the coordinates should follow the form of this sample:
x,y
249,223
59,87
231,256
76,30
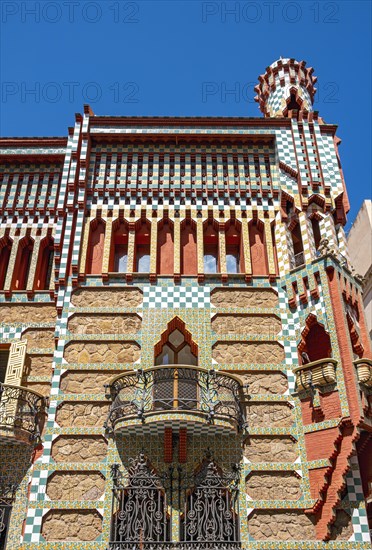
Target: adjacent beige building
x,y
360,249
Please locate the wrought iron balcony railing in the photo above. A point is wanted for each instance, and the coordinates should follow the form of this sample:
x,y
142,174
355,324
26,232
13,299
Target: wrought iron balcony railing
x,y
298,260
207,395
22,413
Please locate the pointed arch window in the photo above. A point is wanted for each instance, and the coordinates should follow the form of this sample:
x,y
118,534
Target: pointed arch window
x,y
315,341
176,350
176,388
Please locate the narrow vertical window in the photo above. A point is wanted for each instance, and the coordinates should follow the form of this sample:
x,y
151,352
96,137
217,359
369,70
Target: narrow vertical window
x,y
121,258
119,248
210,249
142,254
165,251
233,248
189,252
95,247
5,250
298,247
4,356
316,232
44,264
22,263
275,252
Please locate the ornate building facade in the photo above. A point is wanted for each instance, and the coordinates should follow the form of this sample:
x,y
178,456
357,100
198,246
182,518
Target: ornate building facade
x,y
184,358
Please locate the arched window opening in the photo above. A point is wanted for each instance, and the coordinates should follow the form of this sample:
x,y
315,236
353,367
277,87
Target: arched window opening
x,y
316,231
234,252
176,351
5,250
275,252
211,256
96,247
298,247
315,343
176,388
259,260
23,263
165,248
142,248
289,208
45,264
119,248
189,252
293,103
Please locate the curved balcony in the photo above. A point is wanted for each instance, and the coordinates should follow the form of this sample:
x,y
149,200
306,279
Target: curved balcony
x,y
364,371
22,414
174,395
315,374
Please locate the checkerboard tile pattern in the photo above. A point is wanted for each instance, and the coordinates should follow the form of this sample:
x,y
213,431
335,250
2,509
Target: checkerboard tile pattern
x,y
354,482
8,332
176,297
360,525
356,498
33,525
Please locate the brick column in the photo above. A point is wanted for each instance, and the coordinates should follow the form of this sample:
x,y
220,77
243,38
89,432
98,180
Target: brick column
x,y
343,338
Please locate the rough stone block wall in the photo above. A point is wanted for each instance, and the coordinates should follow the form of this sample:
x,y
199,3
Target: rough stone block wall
x,y
71,525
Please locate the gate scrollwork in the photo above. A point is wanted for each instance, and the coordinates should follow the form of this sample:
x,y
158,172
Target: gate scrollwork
x,y
146,504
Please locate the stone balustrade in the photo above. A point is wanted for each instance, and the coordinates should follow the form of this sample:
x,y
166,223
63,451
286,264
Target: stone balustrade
x,y
364,371
315,374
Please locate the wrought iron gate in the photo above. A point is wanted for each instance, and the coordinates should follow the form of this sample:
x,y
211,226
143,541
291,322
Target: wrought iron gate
x,y
5,511
7,496
173,510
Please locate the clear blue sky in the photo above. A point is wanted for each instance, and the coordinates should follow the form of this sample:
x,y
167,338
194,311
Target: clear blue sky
x,y
161,58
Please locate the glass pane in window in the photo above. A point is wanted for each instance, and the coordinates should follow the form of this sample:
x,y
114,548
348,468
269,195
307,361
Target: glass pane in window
x,y
232,262
210,263
143,259
121,258
166,357
185,357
